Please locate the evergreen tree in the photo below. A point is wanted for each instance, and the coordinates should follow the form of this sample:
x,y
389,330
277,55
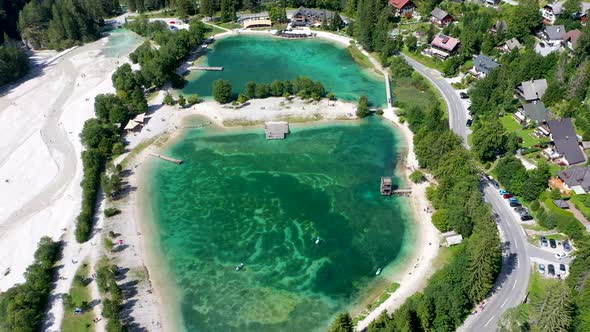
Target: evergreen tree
x,y
343,323
207,7
228,11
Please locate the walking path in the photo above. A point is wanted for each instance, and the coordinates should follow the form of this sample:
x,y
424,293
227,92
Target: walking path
x,y
581,218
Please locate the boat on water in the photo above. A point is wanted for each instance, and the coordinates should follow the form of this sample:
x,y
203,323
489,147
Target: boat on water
x,y
386,186
239,267
378,271
317,240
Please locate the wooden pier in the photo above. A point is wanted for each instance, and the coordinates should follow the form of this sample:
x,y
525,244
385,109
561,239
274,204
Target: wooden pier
x,y
172,160
205,68
402,192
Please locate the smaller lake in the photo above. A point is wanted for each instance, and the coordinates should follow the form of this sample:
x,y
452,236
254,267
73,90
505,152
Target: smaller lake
x,y
265,59
121,42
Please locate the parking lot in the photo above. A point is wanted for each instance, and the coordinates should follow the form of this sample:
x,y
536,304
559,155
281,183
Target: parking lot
x,y
548,251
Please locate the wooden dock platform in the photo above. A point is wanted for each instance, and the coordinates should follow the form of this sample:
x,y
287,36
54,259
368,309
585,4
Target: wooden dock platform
x,y
172,160
205,68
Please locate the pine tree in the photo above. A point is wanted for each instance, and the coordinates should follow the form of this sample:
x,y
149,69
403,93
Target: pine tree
x,y
207,8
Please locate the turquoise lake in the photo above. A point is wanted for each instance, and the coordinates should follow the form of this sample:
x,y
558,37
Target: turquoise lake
x,y
239,198
265,59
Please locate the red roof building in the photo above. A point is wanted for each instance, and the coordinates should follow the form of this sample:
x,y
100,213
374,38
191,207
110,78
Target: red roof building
x,y
443,46
402,7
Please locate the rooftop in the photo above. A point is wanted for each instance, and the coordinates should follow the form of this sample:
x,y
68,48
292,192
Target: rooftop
x,y
555,32
399,4
572,37
484,63
565,140
445,42
577,176
555,7
513,43
532,90
439,14
536,111
276,129
311,12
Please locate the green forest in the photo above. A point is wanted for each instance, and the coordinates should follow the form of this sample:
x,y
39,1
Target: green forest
x,y
22,306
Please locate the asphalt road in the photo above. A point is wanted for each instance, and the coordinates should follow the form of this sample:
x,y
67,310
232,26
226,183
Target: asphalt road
x,y
510,287
456,108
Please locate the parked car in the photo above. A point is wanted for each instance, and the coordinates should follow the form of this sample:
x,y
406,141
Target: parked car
x,y
521,210
562,268
502,192
463,95
469,122
542,268
566,246
512,199
506,196
560,255
513,204
526,217
552,243
551,269
543,241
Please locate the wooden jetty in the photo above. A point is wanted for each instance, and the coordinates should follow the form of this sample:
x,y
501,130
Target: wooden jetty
x,y
205,68
386,186
402,192
172,160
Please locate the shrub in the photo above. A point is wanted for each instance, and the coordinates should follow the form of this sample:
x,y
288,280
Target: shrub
x,y
168,99
417,176
440,220
111,212
193,99
362,109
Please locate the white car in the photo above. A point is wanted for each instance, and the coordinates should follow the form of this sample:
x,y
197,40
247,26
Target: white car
x,y
560,255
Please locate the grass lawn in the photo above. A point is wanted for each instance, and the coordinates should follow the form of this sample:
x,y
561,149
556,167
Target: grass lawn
x,y
230,25
578,201
80,294
359,57
409,96
212,30
427,61
511,125
548,202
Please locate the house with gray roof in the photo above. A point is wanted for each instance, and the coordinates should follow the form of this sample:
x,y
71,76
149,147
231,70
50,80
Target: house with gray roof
x,y
511,45
536,112
440,17
566,141
576,179
310,17
553,34
499,27
531,90
483,65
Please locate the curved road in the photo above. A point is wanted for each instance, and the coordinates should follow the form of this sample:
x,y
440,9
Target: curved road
x,y
510,287
455,106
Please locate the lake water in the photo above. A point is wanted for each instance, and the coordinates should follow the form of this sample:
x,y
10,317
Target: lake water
x,y
265,59
239,198
121,42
